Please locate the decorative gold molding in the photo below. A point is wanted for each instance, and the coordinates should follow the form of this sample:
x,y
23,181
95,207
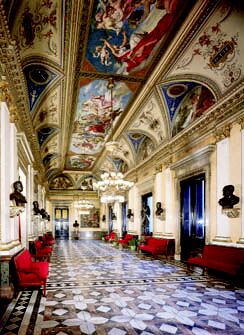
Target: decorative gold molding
x,y
4,92
167,162
241,122
222,133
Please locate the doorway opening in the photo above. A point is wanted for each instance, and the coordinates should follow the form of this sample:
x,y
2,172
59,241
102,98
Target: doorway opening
x,y
61,223
146,214
192,195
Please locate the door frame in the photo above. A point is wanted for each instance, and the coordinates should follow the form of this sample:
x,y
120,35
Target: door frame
x,y
192,165
192,183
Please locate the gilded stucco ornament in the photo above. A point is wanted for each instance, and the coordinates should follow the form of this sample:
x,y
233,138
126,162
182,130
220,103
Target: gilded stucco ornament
x,y
241,122
222,133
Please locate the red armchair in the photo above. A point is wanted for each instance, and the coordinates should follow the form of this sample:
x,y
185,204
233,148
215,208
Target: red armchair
x,y
42,252
29,273
126,239
47,240
112,236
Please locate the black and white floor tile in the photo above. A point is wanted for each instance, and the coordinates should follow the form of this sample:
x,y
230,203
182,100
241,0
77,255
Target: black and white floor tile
x,y
94,288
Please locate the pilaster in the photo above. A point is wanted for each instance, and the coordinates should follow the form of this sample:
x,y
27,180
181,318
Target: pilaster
x,y
223,178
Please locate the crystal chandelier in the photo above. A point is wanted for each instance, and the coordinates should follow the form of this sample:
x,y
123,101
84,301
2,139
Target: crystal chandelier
x,y
112,187
83,206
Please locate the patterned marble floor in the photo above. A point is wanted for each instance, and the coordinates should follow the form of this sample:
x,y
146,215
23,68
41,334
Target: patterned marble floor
x,y
94,288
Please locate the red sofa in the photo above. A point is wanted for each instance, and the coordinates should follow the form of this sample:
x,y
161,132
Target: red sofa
x,y
29,273
112,236
220,258
158,246
126,239
42,252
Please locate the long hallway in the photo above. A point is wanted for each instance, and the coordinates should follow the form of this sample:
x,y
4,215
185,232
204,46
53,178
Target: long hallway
x,y
94,288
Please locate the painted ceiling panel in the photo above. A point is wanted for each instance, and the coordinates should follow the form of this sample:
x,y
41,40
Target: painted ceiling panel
x,y
38,29
96,112
38,78
123,40
216,51
48,112
136,139
45,133
124,36
151,120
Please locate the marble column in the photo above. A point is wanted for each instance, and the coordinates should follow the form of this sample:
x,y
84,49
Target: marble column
x,y
223,178
159,221
134,224
9,242
241,240
169,198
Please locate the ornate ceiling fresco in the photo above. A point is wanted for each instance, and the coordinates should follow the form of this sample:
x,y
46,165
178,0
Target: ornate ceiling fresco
x,y
177,58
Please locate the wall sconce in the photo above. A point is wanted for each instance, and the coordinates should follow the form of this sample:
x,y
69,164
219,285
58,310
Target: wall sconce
x,y
103,218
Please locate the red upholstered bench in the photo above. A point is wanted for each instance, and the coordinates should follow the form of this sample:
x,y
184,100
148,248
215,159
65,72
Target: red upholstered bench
x,y
220,258
29,273
126,239
158,246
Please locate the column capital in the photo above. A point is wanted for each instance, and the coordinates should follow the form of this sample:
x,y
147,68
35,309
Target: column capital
x,y
13,115
241,122
4,92
166,164
5,96
157,169
222,132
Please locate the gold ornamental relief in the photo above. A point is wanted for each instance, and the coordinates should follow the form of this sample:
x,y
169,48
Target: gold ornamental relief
x,y
241,122
222,133
4,92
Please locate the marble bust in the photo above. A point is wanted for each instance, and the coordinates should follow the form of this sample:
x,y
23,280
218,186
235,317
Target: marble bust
x,y
229,199
17,197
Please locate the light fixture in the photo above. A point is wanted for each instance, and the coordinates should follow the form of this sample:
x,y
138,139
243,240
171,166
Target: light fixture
x,y
84,211
83,204
111,146
112,187
83,207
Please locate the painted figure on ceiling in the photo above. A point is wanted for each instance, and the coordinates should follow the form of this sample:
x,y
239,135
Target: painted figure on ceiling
x,y
195,103
133,29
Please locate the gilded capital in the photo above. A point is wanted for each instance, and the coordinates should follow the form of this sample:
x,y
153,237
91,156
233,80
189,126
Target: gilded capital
x,y
13,116
167,163
241,122
4,92
222,133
